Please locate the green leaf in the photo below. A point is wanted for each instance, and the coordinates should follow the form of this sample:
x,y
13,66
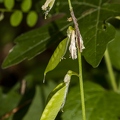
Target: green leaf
x,y
6,106
1,1
26,5
53,106
94,49
32,18
57,55
92,16
36,106
16,18
9,4
100,104
32,43
114,50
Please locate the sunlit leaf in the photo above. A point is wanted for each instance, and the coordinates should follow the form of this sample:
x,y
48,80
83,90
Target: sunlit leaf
x,y
7,107
53,106
57,98
32,43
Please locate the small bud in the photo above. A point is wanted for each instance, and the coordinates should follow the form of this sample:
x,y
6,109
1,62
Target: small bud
x,y
48,6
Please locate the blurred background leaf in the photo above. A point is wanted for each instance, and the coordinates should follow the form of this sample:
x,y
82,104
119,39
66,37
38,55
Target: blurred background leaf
x,y
114,50
26,5
9,4
16,18
99,104
32,18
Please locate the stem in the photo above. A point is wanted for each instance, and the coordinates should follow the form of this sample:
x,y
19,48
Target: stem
x,y
79,59
70,5
110,71
81,85
5,10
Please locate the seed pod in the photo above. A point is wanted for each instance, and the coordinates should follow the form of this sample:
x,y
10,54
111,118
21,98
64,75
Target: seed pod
x,y
72,36
48,6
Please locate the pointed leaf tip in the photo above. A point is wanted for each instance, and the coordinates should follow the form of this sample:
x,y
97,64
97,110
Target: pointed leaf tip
x,y
57,55
44,78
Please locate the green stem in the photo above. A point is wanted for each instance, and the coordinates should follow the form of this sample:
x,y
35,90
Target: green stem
x,y
110,70
70,5
5,10
79,60
81,85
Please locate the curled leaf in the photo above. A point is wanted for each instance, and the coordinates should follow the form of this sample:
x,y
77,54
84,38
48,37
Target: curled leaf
x,y
57,55
56,99
53,106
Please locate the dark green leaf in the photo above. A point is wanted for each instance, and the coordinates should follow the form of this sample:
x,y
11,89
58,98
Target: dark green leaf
x,y
31,44
32,18
16,18
57,55
38,103
114,51
26,5
8,103
36,106
100,104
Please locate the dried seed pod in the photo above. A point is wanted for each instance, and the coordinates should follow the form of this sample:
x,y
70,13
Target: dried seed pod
x,y
72,36
48,6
